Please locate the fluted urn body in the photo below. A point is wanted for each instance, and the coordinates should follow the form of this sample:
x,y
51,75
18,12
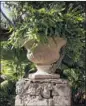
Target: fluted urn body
x,y
45,54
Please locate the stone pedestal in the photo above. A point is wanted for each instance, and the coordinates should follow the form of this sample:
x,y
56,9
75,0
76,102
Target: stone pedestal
x,y
43,92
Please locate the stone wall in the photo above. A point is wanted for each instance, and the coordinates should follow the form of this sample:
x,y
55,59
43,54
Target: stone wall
x,y
43,92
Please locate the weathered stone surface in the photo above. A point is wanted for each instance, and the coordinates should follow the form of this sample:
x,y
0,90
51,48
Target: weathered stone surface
x,y
49,76
49,92
45,92
61,90
61,101
18,101
50,102
54,81
45,53
28,100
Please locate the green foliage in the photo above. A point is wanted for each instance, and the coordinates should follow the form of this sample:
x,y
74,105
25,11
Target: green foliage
x,y
13,63
37,21
7,93
38,24
76,78
9,69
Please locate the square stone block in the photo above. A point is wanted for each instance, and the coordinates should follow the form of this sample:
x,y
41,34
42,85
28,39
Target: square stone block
x,y
43,92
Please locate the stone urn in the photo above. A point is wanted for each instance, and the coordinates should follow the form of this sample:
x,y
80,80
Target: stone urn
x,y
44,55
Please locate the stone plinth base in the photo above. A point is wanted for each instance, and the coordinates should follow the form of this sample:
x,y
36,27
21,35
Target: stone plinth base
x,y
43,92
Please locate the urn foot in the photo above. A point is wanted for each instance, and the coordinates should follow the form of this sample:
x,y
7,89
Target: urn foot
x,y
44,72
